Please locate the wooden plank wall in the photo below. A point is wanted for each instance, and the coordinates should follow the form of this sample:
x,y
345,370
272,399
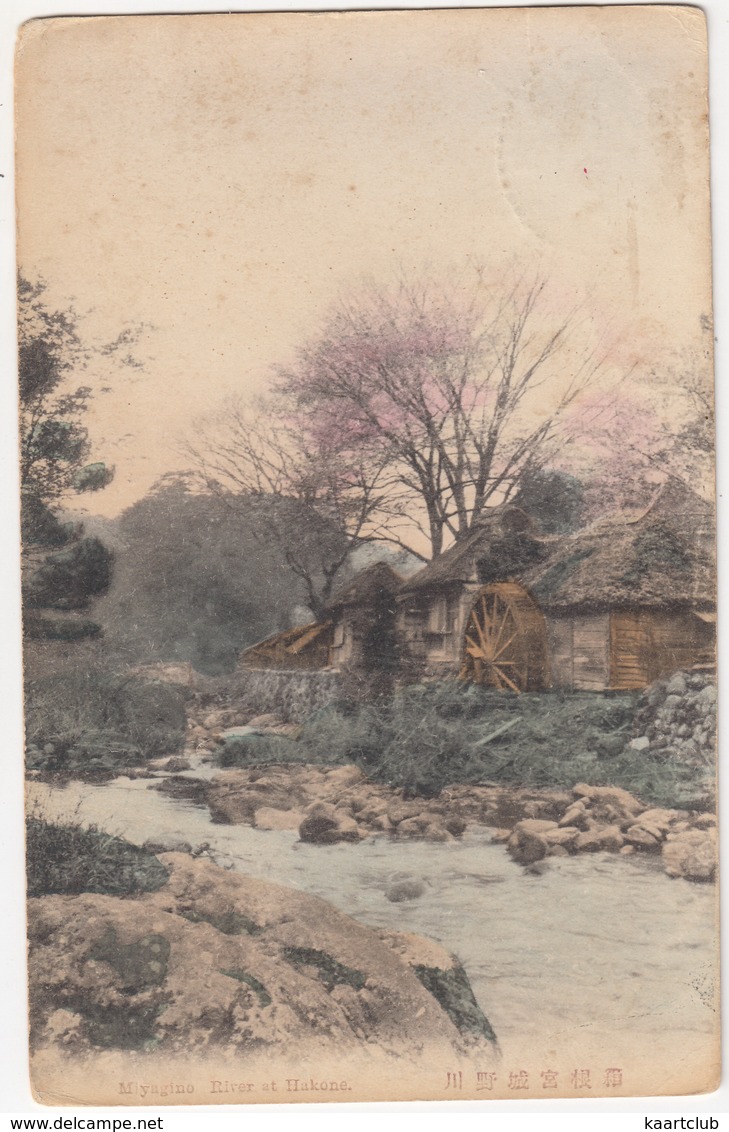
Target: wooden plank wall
x,y
590,652
579,651
647,644
632,651
681,641
559,640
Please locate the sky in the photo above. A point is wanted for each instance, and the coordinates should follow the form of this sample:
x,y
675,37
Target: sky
x,y
217,182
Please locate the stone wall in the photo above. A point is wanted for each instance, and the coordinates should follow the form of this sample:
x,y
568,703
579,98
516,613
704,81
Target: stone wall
x,y
676,718
291,695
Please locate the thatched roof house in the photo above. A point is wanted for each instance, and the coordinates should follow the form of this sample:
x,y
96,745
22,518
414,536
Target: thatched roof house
x,y
358,625
504,533
363,615
304,646
659,558
630,598
613,606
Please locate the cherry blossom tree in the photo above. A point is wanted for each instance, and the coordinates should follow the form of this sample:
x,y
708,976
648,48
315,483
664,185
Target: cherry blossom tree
x,y
451,392
626,442
412,412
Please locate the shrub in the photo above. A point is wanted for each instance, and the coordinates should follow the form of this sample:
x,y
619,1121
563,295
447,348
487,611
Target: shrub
x,y
255,750
69,578
58,628
431,736
92,721
68,859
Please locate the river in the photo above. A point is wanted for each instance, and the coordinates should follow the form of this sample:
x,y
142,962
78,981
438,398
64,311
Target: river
x,y
599,953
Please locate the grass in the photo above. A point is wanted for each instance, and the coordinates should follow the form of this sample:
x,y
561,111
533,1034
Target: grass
x,y
435,735
91,722
69,859
229,923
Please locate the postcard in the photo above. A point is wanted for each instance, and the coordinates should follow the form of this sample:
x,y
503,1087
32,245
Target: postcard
x,y
369,589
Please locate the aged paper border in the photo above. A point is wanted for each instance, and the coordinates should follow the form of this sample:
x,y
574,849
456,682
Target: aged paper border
x,y
14,1089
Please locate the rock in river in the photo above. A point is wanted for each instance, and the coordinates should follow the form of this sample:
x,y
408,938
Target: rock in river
x,y
691,854
220,961
324,825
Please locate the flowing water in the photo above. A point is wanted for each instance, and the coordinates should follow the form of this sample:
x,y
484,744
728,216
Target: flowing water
x,y
600,951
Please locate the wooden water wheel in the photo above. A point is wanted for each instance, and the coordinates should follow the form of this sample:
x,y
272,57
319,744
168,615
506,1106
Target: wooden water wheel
x,y
505,641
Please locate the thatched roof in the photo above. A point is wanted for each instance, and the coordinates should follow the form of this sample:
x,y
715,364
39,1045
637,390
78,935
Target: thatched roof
x,y
498,526
661,557
287,646
367,587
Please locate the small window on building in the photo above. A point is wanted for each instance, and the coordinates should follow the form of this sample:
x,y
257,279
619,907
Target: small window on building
x,y
338,639
438,615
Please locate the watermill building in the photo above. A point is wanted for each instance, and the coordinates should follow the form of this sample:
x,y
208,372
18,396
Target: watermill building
x,y
614,606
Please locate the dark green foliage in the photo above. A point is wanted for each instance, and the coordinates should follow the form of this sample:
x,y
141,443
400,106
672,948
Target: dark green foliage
x,y
229,923
329,970
185,789
193,581
54,442
40,526
375,625
553,579
59,629
657,548
454,993
253,750
264,998
68,859
92,477
658,780
94,756
434,735
93,722
555,500
509,555
71,577
61,569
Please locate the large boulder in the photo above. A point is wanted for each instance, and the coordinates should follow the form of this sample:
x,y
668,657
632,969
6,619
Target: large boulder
x,y
528,842
605,839
691,854
269,818
342,777
662,818
183,789
324,824
404,886
609,805
647,840
414,826
399,811
216,963
575,815
446,980
510,805
237,796
234,796
563,837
